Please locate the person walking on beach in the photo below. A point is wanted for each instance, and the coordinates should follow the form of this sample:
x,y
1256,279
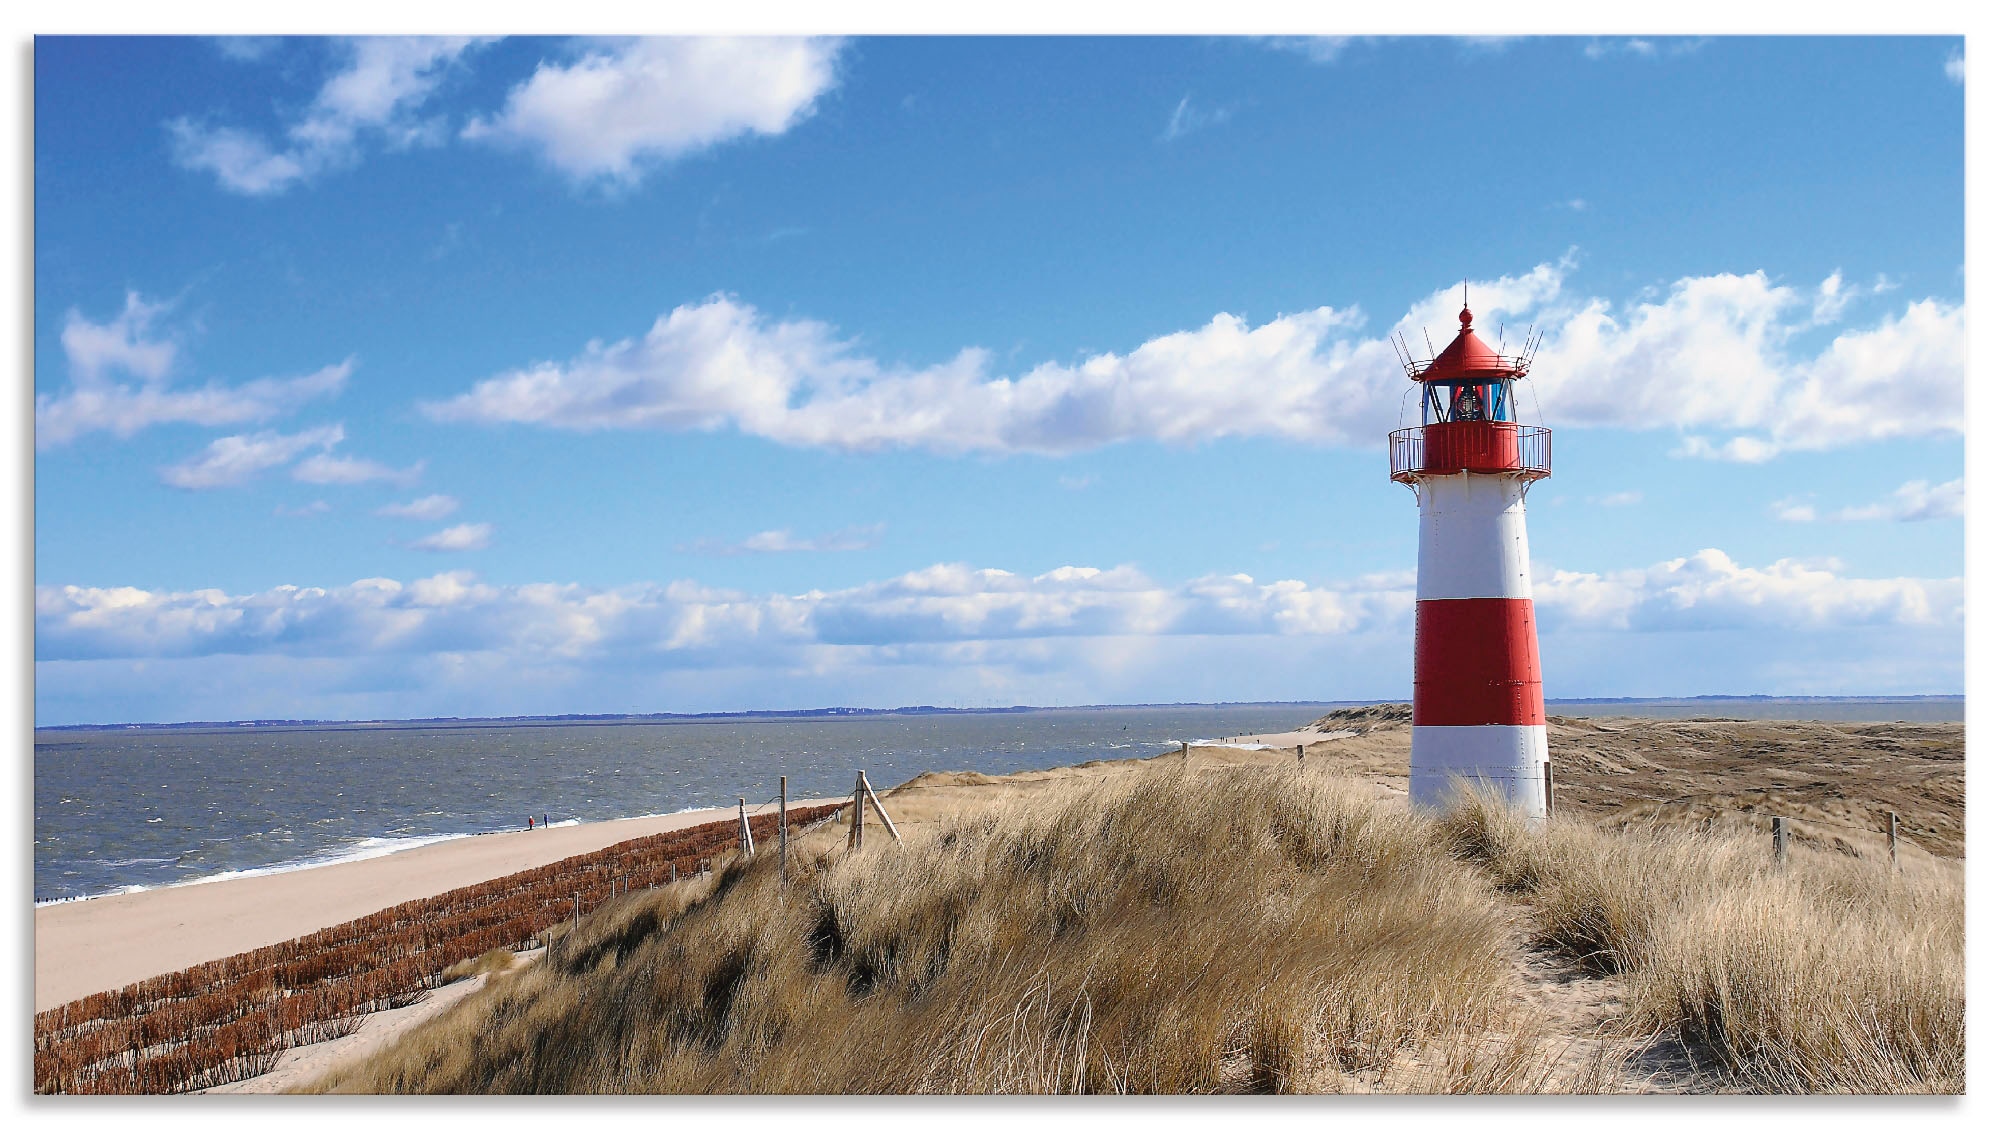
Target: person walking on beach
x,y
531,823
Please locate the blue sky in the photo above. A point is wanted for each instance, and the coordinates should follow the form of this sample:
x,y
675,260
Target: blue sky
x,y
407,377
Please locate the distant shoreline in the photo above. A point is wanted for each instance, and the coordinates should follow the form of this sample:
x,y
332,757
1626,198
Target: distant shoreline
x,y
834,713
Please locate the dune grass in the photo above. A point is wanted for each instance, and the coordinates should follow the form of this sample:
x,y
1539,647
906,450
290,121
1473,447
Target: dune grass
x,y
1181,932
1825,974
1254,930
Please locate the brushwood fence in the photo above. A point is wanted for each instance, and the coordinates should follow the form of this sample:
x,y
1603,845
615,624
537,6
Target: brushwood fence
x,y
230,1019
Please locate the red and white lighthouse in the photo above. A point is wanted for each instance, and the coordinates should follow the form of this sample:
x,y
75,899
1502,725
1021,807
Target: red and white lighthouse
x,y
1478,689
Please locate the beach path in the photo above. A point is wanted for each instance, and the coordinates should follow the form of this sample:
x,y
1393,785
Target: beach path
x,y
100,943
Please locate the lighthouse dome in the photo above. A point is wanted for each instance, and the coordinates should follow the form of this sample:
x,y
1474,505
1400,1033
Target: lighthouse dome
x,y
1468,358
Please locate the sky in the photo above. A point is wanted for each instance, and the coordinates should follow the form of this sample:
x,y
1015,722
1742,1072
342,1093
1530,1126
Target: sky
x,y
423,377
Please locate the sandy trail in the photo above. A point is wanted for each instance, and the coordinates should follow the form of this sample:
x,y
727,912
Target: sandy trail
x,y
108,942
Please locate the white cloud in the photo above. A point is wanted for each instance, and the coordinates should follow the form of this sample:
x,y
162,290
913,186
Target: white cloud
x,y
1708,591
235,459
1318,48
1916,500
130,345
1789,509
126,342
1832,297
456,539
851,539
1604,48
379,91
1711,355
1640,48
453,644
1954,67
431,507
246,48
946,603
1187,117
620,108
341,470
943,605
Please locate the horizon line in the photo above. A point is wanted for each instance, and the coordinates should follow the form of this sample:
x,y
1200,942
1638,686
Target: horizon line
x,y
864,711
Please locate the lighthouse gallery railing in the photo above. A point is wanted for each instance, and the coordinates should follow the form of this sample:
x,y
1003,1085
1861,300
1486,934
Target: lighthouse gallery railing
x,y
1480,447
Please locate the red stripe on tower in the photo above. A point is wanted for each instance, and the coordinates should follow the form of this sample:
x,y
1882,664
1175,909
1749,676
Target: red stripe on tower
x,y
1477,663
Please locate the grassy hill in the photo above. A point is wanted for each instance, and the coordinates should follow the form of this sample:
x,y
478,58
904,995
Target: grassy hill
x,y
1262,927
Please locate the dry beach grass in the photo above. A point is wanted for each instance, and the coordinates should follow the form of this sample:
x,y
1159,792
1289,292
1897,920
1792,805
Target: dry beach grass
x,y
1823,974
1168,929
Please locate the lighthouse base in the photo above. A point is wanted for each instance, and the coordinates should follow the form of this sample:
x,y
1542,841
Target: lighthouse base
x,y
1509,760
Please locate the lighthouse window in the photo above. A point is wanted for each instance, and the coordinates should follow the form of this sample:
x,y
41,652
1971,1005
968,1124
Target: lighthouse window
x,y
1455,402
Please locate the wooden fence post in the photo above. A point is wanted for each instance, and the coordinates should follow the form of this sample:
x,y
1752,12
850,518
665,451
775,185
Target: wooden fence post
x,y
784,833
745,842
1302,758
880,810
1779,832
1892,841
673,871
854,829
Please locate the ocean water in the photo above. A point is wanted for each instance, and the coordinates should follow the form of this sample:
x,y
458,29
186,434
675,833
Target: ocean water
x,y
121,809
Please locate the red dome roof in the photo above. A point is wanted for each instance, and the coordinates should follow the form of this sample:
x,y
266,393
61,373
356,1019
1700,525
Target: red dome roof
x,y
1469,358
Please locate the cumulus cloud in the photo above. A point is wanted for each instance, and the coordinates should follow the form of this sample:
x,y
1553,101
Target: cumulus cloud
x,y
379,91
1709,591
455,611
851,539
235,459
621,108
1916,500
457,539
121,381
431,507
1711,356
342,470
943,606
1954,67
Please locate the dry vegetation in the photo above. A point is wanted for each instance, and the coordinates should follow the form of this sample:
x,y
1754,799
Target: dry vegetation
x,y
230,1019
1253,930
1823,974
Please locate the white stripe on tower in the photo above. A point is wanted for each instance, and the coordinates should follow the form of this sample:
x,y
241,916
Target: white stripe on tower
x,y
1478,689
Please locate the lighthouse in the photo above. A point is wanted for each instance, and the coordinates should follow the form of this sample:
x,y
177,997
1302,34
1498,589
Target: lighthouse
x,y
1477,695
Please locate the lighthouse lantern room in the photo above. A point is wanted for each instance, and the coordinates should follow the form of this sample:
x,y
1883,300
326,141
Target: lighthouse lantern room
x,y
1477,695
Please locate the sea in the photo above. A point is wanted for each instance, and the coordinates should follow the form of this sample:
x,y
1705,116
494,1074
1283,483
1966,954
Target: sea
x,y
136,807
119,809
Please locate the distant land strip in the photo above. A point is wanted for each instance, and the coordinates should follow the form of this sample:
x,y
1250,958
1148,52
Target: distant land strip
x,y
911,711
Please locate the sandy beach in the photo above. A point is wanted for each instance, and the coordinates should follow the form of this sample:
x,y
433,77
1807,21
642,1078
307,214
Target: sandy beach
x,y
88,946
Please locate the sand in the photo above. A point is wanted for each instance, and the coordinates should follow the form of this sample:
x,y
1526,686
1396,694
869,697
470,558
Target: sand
x,y
301,1065
99,943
